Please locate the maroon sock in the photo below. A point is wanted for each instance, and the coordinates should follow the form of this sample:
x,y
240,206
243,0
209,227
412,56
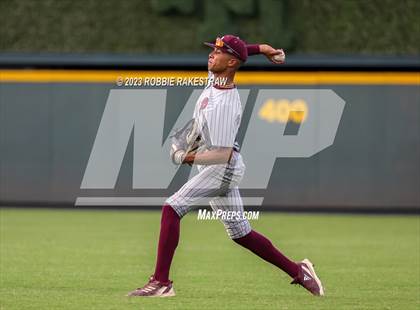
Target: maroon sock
x,y
263,247
168,241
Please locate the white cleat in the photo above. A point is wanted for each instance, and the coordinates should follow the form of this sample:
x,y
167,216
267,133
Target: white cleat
x,y
154,288
308,278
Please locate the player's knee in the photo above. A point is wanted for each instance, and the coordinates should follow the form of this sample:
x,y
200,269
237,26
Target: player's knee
x,y
236,230
167,209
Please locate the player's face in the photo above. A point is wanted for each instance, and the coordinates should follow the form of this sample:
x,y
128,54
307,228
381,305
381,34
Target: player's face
x,y
219,61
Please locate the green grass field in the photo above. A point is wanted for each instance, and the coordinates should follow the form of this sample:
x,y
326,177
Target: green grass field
x,y
53,259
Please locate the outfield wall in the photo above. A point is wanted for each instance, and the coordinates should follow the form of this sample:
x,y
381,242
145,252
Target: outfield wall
x,y
50,118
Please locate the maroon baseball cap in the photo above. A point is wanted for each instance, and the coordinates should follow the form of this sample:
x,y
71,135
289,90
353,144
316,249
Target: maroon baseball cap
x,y
232,45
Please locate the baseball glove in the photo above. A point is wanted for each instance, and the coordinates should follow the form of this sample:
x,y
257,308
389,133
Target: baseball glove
x,y
183,141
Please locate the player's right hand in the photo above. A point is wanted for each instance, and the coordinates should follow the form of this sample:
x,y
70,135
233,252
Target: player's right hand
x,y
276,56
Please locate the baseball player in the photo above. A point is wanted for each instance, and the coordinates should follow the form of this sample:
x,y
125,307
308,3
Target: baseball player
x,y
215,123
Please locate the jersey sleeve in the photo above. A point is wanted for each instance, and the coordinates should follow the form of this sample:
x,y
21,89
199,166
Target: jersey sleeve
x,y
223,121
253,49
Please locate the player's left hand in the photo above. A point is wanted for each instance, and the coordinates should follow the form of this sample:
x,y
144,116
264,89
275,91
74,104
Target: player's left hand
x,y
184,142
182,157
178,157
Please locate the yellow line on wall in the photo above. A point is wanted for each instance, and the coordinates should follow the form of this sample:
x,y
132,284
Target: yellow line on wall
x,y
242,78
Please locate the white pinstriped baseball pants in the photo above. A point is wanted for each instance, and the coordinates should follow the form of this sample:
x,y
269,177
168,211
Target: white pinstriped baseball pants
x,y
218,185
